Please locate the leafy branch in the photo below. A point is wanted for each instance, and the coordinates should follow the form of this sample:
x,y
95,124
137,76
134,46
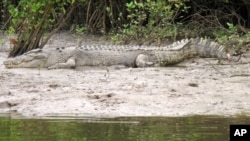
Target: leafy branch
x,y
31,19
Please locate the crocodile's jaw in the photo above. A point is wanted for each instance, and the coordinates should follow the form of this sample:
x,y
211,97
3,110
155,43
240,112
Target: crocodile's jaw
x,y
26,61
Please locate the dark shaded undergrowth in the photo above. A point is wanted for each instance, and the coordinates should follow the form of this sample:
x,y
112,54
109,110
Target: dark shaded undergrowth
x,y
139,21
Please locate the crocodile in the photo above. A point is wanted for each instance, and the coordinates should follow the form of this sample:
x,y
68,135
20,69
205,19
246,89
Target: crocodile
x,y
132,56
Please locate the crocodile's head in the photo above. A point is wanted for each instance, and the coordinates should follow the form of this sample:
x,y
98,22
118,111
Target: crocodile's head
x,y
33,59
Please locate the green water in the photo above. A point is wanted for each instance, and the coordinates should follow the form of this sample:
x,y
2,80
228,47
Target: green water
x,y
194,128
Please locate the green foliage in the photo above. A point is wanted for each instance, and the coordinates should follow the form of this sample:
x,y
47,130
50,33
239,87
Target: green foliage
x,y
143,21
151,20
27,14
31,19
224,34
78,31
232,39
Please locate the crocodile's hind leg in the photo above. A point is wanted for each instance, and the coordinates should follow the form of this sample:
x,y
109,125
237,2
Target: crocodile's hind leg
x,y
142,60
71,63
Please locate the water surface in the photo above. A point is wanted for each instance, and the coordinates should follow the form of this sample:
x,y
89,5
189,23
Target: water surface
x,y
193,128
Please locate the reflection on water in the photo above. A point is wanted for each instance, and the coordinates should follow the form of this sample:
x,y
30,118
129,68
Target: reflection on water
x,y
193,128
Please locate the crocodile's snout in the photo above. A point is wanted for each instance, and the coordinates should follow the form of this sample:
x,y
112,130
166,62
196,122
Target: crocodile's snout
x,y
11,62
25,61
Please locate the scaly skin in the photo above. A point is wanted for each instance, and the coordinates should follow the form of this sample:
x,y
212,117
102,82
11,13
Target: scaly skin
x,y
135,56
199,47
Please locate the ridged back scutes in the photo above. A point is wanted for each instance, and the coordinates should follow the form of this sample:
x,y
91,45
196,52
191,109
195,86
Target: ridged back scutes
x,y
174,46
207,48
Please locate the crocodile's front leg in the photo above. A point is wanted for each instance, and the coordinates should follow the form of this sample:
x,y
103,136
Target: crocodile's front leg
x,y
71,63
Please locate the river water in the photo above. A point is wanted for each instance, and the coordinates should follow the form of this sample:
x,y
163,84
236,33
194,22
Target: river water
x,y
191,128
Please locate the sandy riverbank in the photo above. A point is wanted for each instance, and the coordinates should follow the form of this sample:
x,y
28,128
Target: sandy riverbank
x,y
197,86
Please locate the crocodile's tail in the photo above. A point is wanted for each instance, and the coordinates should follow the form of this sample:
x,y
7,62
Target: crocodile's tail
x,y
206,48
197,47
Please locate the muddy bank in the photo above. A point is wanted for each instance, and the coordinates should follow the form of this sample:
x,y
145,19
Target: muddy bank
x,y
196,86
